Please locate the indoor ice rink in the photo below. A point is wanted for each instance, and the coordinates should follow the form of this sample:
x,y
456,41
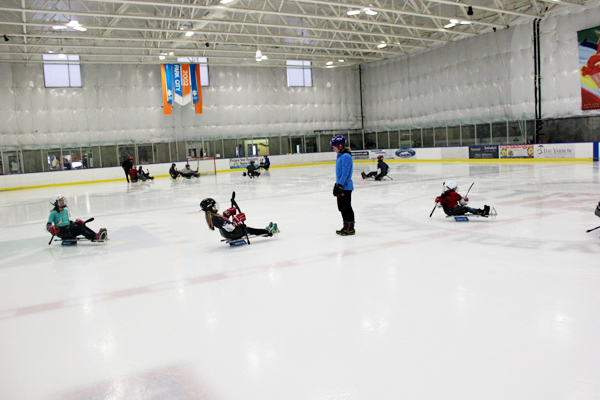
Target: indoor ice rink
x,y
411,307
502,97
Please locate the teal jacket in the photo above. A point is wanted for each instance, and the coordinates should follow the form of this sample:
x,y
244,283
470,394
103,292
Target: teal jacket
x,y
59,218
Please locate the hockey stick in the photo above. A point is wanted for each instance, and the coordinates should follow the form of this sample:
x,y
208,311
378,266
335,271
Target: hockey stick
x,y
84,222
235,204
434,207
589,230
466,195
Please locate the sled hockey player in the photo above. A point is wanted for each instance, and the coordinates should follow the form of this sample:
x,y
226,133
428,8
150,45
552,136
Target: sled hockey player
x,y
229,229
59,223
382,167
454,204
188,173
173,171
265,164
133,174
252,170
344,186
144,176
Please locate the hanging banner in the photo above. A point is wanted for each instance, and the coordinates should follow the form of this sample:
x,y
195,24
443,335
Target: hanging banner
x,y
196,88
589,68
181,84
165,72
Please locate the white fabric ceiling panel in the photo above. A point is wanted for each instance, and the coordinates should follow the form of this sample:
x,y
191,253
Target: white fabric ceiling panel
x,y
561,92
460,81
6,77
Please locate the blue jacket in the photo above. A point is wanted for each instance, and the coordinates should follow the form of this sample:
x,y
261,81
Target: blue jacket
x,y
344,169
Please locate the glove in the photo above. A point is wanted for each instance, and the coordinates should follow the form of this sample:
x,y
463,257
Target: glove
x,y
338,190
466,199
238,219
54,230
79,222
229,212
438,199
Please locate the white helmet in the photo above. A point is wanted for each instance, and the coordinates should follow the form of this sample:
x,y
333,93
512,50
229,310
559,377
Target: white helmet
x,y
450,185
54,199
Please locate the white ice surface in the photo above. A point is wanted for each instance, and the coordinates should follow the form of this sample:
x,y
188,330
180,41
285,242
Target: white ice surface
x,y
411,307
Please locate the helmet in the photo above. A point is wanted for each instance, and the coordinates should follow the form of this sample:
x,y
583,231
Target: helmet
x,y
131,158
209,204
251,161
187,165
54,199
450,185
380,157
337,140
172,165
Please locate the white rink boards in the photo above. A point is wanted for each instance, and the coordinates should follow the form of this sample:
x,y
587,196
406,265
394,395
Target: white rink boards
x,y
411,307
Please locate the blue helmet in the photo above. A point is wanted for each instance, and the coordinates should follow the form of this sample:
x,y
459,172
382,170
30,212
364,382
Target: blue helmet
x,y
337,140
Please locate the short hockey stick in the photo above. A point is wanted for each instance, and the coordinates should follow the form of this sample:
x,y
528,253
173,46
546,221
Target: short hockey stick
x,y
589,230
234,204
434,207
467,195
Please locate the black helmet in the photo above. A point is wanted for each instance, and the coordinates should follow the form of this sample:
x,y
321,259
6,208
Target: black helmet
x,y
172,165
251,161
208,204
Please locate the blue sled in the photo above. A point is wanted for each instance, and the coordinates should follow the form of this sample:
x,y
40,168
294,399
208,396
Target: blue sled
x,y
461,219
239,242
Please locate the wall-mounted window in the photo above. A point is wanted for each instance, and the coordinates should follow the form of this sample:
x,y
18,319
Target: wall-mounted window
x,y
203,61
61,70
299,73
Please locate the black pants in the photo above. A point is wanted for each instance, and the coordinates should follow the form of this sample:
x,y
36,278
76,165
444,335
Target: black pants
x,y
126,174
345,205
374,174
73,230
238,232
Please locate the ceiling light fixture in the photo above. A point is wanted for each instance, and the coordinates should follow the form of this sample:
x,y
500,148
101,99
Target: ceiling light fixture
x,y
161,57
353,12
59,27
226,1
80,28
264,57
61,56
381,45
465,22
449,25
341,60
189,33
454,21
368,11
329,63
171,53
73,22
258,55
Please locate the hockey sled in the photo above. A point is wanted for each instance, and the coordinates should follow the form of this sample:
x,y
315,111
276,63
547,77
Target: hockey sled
x,y
73,241
240,241
465,217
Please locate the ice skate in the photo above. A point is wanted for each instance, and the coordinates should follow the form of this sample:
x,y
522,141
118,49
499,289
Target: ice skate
x,y
272,228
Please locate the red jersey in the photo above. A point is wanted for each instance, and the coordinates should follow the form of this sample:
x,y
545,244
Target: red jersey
x,y
449,199
133,173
